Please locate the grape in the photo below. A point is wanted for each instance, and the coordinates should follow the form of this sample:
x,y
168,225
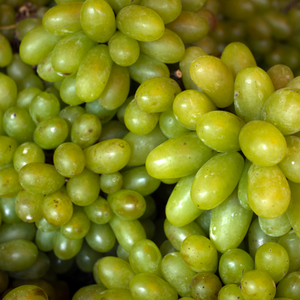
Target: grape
x,y
9,91
9,182
230,292
99,211
98,110
26,291
281,75
8,147
6,54
204,221
16,231
115,294
113,129
111,183
88,292
277,226
44,240
43,225
289,286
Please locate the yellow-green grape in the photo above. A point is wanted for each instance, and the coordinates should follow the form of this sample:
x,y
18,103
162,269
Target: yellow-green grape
x,y
220,130
243,186
108,156
57,208
9,92
25,25
138,121
26,292
123,49
149,286
122,253
16,231
5,52
93,73
142,145
233,264
117,88
100,237
169,48
36,44
229,223
51,132
177,274
176,235
199,254
117,5
139,180
293,211
258,285
294,83
230,292
2,132
43,225
9,182
65,248
17,255
268,191
288,287
214,78
189,106
178,157
146,67
148,28
262,143
86,130
127,204
41,283
28,206
18,124
280,75
156,94
113,129
127,232
115,294
252,87
145,257
98,110
63,19
8,147
278,226
69,52
68,91
25,97
84,188
191,53
111,183
273,259
88,292
192,5
237,56
216,180
44,240
180,210
71,113
189,26
99,211
281,109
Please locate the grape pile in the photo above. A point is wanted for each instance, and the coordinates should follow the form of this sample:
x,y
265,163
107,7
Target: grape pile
x,y
133,157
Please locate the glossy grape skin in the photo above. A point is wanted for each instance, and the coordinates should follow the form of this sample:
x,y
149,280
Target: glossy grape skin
x,y
9,92
98,110
16,231
24,292
204,221
5,52
230,292
43,225
293,211
88,292
8,147
243,186
148,286
199,254
44,240
208,72
289,286
281,75
115,294
258,285
177,274
9,182
277,226
68,92
117,5
17,255
268,191
99,211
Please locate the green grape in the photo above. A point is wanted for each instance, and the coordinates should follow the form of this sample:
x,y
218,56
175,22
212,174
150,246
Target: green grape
x,y
31,80
108,156
277,226
68,91
192,5
216,180
65,248
229,223
249,98
8,92
93,73
268,191
146,67
281,29
36,271
149,286
122,253
127,232
111,183
280,75
147,29
281,109
117,88
189,26
7,210
44,240
24,292
96,274
6,53
117,5
205,286
8,148
9,182
28,206
166,248
36,44
293,211
262,143
25,25
63,19
233,264
17,255
230,292
77,227
150,212
176,235
98,110
88,292
60,266
149,227
43,225
215,79
69,52
123,49
289,286
69,159
114,129
204,221
243,186
258,285
177,274
121,110
70,114
16,231
115,294
27,153
4,281
2,132
167,10
180,210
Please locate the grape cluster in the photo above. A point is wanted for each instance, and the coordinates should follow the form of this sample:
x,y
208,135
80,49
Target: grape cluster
x,y
91,143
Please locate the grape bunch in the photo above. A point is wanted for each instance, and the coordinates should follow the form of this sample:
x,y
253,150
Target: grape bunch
x,y
130,153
